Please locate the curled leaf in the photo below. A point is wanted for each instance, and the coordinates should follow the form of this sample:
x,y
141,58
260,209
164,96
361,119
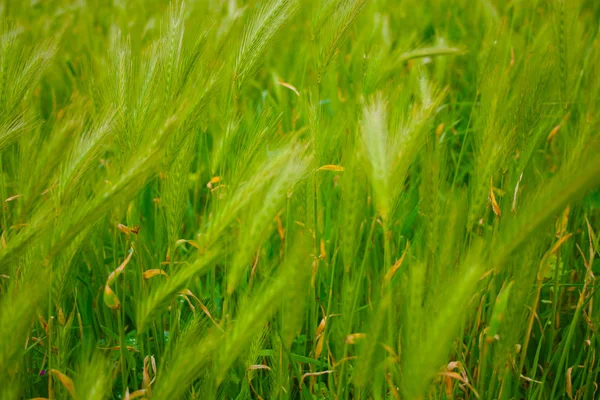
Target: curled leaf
x,y
292,88
110,297
115,274
154,272
306,375
319,335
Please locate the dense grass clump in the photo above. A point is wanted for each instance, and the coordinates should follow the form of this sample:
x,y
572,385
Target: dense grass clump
x,y
298,199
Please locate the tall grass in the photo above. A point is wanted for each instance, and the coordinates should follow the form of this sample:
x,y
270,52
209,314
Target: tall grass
x,y
299,199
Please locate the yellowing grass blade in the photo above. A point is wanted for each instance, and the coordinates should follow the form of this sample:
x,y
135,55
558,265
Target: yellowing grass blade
x,y
439,130
569,383
61,316
559,243
392,387
561,224
338,168
322,252
110,297
553,133
321,326
280,228
65,381
149,361
319,347
11,198
319,337
394,268
115,274
124,229
555,130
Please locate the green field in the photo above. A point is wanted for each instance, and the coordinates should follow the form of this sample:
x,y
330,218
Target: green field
x,y
300,199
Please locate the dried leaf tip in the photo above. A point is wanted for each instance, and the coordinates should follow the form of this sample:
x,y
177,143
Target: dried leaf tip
x,y
492,197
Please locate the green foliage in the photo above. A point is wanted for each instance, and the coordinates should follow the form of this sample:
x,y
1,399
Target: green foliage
x,y
248,199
